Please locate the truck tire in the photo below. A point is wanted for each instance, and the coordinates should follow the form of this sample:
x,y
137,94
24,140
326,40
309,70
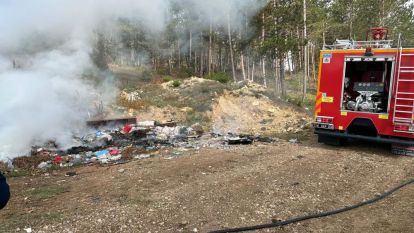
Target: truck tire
x,y
330,140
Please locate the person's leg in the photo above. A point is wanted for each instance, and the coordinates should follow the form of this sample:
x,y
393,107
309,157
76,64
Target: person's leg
x,y
4,192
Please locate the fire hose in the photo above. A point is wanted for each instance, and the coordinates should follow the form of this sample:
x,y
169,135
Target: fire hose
x,y
316,215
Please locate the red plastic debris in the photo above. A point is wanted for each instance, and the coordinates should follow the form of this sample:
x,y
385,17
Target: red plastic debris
x,y
127,128
57,159
114,151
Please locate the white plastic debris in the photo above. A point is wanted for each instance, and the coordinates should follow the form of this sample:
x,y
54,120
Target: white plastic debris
x,y
293,140
116,158
146,124
142,156
43,165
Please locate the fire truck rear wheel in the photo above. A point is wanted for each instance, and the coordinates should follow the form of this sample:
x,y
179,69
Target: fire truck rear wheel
x,y
330,140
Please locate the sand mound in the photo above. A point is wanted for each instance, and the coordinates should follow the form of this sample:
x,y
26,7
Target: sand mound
x,y
237,113
187,83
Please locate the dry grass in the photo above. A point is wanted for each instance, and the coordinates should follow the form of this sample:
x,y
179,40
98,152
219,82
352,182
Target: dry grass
x,y
137,105
29,162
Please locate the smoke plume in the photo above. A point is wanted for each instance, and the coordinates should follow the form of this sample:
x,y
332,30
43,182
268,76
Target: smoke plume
x,y
45,47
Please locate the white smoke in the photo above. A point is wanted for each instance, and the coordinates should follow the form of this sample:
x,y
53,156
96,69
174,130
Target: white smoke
x,y
50,41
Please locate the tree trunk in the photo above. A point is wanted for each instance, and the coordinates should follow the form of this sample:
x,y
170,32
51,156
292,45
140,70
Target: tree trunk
x,y
313,64
178,54
210,41
253,71
248,67
170,62
220,58
277,80
323,37
299,46
191,44
201,63
282,76
195,63
305,54
351,16
242,65
290,62
231,49
383,16
263,61
308,74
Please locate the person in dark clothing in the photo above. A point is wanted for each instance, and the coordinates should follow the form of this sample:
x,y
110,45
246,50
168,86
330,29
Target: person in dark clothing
x,y
4,191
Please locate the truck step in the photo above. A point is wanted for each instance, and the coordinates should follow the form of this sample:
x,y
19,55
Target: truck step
x,y
401,111
404,106
403,120
401,98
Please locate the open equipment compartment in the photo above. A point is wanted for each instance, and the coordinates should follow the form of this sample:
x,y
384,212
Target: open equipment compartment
x,y
367,84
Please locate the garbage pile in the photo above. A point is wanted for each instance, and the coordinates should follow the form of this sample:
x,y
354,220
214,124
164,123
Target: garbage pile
x,y
141,140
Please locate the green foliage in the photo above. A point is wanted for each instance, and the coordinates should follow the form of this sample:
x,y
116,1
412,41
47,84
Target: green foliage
x,y
44,192
219,76
297,100
166,79
176,83
281,20
16,220
275,32
18,173
197,117
351,19
185,73
99,53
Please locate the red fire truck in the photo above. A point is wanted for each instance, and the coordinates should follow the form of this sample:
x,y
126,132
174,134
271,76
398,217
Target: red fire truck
x,y
366,92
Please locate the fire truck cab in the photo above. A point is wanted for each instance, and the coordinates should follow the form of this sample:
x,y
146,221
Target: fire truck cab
x,y
366,91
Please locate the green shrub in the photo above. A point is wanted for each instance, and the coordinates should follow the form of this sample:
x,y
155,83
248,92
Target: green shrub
x,y
295,100
219,76
184,73
176,83
166,79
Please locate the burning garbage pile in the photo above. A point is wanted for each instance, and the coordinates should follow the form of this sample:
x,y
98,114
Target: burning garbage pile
x,y
140,140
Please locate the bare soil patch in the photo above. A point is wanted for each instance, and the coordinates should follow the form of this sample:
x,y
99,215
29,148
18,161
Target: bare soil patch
x,y
210,189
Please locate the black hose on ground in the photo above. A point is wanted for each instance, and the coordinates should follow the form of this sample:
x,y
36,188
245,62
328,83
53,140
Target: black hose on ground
x,y
315,215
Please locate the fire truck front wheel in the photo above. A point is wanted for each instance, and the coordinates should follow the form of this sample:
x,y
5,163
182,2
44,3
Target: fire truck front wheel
x,y
331,140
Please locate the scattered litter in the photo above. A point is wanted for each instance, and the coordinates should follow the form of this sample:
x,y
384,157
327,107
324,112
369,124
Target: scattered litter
x,y
58,159
126,129
142,156
293,140
143,140
28,230
102,154
146,123
43,165
72,173
114,151
116,158
239,140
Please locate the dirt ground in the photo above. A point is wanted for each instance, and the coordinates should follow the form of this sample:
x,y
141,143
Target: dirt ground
x,y
253,115
210,189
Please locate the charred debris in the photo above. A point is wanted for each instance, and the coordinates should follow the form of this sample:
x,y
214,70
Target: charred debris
x,y
120,140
